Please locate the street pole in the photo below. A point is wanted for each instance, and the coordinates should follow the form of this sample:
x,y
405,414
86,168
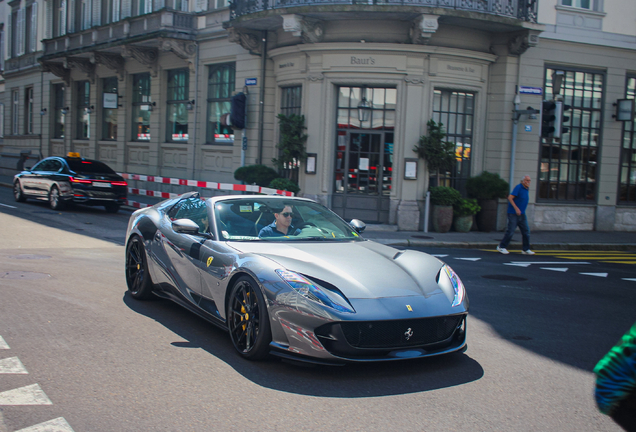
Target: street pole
x,y
513,146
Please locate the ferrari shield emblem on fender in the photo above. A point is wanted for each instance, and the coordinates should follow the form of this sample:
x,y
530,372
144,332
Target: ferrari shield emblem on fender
x,y
409,308
408,334
210,260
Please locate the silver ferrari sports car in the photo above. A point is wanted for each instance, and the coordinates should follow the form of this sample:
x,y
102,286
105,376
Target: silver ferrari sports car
x,y
288,277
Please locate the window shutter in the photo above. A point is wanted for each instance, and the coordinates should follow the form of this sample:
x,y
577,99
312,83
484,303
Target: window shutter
x,y
86,17
33,41
97,12
9,52
125,8
71,15
48,33
21,32
116,10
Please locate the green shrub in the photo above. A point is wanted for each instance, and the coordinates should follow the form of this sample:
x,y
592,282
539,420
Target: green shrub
x,y
466,207
285,184
256,174
444,196
487,186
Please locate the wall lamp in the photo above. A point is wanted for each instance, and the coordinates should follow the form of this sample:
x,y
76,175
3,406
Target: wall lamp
x,y
65,110
557,81
151,105
43,111
190,105
364,107
624,110
89,110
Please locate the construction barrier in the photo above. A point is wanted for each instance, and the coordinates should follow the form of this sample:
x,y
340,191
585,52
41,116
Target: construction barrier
x,y
193,183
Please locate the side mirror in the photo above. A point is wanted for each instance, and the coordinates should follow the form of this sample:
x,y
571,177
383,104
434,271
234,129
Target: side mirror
x,y
27,168
185,226
358,225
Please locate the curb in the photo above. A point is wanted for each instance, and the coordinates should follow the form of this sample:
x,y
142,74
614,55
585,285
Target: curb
x,y
493,245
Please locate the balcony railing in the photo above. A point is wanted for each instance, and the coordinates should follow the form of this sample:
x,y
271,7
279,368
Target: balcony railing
x,y
525,10
120,31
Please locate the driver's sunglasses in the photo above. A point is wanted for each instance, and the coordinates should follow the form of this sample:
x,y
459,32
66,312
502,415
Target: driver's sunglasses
x,y
287,214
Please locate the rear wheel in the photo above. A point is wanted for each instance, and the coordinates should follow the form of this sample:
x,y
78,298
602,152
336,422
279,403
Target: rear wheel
x,y
17,192
137,276
55,200
111,208
248,320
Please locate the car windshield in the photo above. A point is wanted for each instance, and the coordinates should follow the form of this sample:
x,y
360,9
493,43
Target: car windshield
x,y
88,166
271,219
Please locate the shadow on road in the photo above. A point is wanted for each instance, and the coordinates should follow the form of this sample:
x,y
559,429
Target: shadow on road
x,y
350,381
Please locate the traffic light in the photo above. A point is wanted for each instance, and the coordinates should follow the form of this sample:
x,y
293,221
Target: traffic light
x,y
560,119
548,118
565,118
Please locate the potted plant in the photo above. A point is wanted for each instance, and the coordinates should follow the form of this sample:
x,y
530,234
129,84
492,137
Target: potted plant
x,y
487,188
438,154
292,144
443,198
463,212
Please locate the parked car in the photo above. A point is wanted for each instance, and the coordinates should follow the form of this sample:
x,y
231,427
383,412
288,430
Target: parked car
x,y
72,179
288,277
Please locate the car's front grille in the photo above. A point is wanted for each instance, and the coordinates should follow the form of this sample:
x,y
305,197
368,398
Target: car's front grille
x,y
400,333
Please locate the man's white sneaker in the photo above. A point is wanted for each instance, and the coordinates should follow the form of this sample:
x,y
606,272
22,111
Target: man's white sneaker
x,y
527,252
503,250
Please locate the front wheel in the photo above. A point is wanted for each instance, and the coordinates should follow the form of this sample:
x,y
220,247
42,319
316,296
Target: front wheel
x,y
137,276
55,200
248,320
17,192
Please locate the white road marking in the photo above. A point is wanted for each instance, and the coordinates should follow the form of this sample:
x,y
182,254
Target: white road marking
x,y
595,274
469,259
527,263
518,264
439,256
29,395
630,279
57,425
560,269
12,365
6,205
3,344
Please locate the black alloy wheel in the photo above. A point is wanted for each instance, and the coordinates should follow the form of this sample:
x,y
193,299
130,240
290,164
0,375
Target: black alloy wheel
x,y
55,200
137,276
17,192
248,320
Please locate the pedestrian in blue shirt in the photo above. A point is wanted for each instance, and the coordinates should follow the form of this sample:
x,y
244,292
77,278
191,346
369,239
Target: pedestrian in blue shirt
x,y
517,203
282,225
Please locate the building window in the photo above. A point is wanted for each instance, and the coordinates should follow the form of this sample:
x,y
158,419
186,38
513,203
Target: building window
x,y
568,165
83,110
141,107
60,111
1,120
221,80
144,7
60,18
15,102
177,112
28,110
455,110
592,5
109,108
181,5
627,190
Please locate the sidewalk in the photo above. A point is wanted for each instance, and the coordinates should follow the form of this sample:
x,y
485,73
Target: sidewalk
x,y
540,240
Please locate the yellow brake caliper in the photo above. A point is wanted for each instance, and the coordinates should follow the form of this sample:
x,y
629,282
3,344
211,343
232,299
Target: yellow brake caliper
x,y
245,315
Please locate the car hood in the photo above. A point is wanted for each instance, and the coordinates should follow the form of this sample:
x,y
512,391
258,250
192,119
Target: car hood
x,y
360,269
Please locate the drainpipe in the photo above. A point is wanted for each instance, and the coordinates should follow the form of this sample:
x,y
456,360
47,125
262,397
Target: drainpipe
x,y
41,110
196,112
515,124
262,105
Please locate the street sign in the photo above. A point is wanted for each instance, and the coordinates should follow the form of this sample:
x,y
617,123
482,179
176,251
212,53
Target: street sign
x,y
528,128
250,81
530,90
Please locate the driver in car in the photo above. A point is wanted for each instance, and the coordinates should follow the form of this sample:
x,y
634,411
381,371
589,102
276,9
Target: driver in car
x,y
282,225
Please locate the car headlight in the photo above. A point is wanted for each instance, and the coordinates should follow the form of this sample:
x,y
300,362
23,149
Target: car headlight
x,y
457,284
309,290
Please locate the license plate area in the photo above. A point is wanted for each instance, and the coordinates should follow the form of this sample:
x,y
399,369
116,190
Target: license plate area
x,y
102,184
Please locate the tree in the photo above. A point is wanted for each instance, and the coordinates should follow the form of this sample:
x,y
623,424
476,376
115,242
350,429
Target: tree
x,y
438,154
292,142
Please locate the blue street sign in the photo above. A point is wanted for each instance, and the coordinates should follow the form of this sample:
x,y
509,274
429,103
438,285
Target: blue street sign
x,y
250,81
530,90
528,128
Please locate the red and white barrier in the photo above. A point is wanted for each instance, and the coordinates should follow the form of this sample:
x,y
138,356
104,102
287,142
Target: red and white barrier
x,y
193,183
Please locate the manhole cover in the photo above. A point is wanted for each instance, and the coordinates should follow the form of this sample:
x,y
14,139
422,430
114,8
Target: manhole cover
x,y
24,275
504,277
422,237
30,256
526,338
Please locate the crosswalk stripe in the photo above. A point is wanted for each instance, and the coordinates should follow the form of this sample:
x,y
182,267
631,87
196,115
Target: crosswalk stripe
x,y
57,425
12,365
559,269
595,274
3,344
630,279
469,259
29,395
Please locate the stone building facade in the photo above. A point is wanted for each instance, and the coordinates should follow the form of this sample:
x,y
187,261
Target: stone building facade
x,y
143,86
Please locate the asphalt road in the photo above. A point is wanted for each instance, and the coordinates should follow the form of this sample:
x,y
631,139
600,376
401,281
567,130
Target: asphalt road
x,y
91,358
